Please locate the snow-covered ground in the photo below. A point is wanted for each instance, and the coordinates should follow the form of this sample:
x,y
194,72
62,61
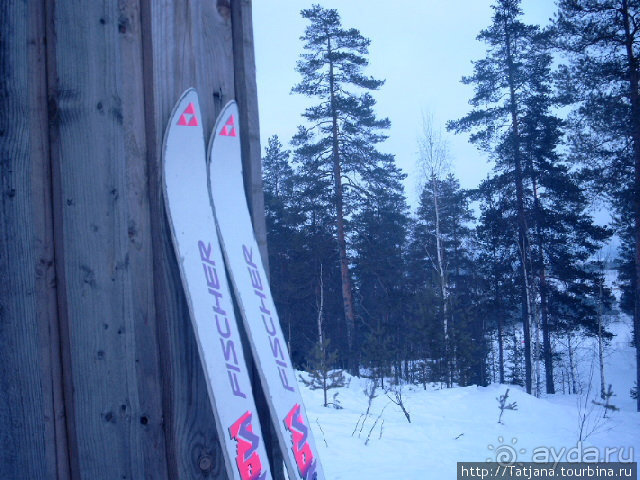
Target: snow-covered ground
x,y
460,424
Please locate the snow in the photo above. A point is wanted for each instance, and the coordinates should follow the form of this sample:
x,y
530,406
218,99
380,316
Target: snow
x,y
460,424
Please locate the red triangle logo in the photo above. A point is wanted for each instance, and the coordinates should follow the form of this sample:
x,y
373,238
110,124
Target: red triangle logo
x,y
188,117
229,128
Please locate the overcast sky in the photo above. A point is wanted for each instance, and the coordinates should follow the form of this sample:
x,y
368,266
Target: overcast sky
x,y
421,48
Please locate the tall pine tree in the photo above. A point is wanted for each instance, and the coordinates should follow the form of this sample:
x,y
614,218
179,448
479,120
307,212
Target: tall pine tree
x,y
379,240
602,42
342,130
502,82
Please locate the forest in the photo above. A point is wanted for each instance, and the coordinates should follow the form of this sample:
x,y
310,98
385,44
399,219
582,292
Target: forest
x,y
473,286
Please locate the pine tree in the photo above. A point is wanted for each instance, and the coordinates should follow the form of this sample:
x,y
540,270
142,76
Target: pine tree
x,y
318,263
378,243
602,80
342,130
495,253
564,235
281,221
299,232
440,240
502,82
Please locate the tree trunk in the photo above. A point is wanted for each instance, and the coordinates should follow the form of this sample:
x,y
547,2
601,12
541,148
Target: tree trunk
x,y
634,80
321,345
544,298
443,283
500,318
546,334
601,344
347,295
522,227
572,377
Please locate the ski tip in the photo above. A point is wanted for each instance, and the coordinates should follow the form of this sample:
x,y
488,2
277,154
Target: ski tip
x,y
190,95
226,124
185,115
185,112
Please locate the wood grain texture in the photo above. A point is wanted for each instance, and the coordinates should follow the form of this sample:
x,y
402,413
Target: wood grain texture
x,y
100,376
103,256
246,91
187,44
27,435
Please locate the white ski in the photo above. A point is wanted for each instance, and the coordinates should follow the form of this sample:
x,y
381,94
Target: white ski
x,y
254,298
207,291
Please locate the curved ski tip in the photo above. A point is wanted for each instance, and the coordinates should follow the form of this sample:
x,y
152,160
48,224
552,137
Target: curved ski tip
x,y
188,91
230,107
190,94
226,123
227,105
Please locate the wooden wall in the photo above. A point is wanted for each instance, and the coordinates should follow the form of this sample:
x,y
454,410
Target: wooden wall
x,y
99,371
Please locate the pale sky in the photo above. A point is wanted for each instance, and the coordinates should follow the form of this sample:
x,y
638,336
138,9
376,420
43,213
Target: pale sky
x,y
421,48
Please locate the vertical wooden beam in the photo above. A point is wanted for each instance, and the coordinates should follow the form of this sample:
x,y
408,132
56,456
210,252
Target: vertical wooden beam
x,y
246,91
186,44
102,247
32,436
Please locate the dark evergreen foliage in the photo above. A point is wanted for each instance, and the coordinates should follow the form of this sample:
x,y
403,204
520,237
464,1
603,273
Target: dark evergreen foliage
x,y
342,131
433,296
602,82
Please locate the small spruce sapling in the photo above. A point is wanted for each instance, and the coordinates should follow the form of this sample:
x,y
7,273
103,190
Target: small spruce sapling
x,y
503,405
321,375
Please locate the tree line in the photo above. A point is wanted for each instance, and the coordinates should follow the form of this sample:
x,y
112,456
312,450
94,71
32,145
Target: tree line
x,y
475,286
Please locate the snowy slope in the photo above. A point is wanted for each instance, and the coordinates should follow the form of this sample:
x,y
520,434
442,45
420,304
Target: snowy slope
x,y
460,424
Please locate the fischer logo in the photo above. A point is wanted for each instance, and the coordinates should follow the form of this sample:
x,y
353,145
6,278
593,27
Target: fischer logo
x,y
229,129
223,326
188,117
267,320
301,449
247,456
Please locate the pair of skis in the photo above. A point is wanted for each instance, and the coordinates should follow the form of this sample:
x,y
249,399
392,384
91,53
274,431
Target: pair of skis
x,y
206,206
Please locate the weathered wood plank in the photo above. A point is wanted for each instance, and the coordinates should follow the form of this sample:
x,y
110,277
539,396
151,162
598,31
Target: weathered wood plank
x,y
29,384
187,44
81,208
246,91
103,256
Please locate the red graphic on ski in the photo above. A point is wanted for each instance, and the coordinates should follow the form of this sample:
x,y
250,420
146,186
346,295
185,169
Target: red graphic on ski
x,y
248,458
305,461
229,129
188,117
